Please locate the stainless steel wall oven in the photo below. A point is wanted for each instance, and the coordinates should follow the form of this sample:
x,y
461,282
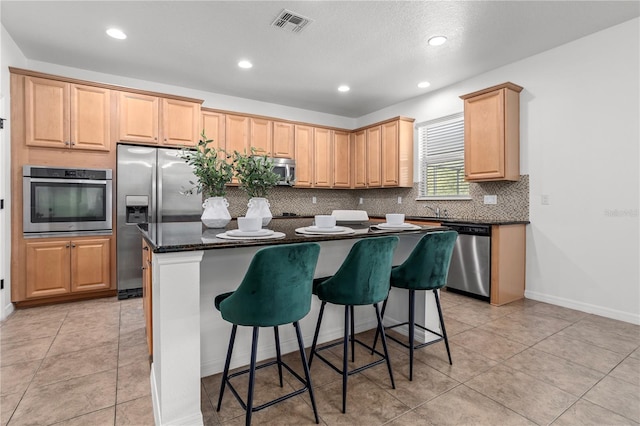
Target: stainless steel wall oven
x,y
59,200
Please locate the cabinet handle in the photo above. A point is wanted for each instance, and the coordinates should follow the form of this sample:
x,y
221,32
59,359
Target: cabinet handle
x,y
145,248
66,142
73,245
67,246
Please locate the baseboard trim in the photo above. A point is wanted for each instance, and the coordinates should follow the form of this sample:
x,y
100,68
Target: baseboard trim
x,y
193,419
584,307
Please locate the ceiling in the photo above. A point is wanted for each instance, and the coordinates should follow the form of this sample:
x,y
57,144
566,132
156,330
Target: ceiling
x,y
378,48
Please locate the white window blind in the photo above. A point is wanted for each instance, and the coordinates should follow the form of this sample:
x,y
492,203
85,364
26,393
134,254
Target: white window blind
x,y
441,144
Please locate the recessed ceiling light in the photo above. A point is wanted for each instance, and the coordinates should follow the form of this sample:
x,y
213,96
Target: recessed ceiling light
x,y
116,33
344,88
424,84
437,40
245,64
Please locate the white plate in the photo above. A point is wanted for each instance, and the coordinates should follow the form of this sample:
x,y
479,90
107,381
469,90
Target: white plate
x,y
333,230
400,226
338,230
259,233
275,235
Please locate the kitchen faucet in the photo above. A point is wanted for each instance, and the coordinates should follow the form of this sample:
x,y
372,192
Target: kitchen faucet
x,y
436,210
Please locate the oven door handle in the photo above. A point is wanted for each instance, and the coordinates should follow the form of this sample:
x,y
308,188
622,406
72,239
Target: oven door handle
x,y
81,181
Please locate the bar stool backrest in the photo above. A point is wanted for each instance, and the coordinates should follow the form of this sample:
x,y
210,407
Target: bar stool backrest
x,y
277,287
363,277
427,266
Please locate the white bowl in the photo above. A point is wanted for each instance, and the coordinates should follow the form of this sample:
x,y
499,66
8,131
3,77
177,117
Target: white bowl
x,y
325,221
249,224
395,218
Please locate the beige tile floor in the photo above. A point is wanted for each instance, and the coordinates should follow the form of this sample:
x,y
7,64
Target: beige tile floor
x,y
529,363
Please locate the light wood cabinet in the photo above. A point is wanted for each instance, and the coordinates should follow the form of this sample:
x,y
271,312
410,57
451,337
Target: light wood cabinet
x,y
66,115
304,156
146,293
341,156
237,133
260,130
492,133
213,126
152,120
359,159
283,140
322,164
508,263
58,267
397,153
374,156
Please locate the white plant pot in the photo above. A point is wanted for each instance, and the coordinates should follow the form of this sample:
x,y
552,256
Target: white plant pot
x,y
259,207
215,214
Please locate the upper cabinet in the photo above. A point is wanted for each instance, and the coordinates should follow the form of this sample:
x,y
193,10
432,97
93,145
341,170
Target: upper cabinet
x,y
152,120
397,153
359,168
492,133
304,156
66,115
237,133
214,128
374,156
341,155
261,136
283,140
322,164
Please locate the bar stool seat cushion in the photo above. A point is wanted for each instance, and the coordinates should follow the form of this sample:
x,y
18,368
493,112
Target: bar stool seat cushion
x,y
275,290
363,267
427,266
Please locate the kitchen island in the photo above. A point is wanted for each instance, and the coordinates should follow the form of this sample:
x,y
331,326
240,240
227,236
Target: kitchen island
x,y
191,266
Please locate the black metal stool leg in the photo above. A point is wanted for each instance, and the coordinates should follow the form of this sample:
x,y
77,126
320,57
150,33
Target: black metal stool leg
x,y
375,339
345,356
307,376
444,332
252,375
226,365
412,329
315,336
278,356
384,345
353,336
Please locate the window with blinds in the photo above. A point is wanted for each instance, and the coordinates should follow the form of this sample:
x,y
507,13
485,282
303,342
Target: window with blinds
x,y
441,145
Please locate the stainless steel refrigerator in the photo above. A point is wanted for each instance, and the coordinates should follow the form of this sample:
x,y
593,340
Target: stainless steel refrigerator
x,y
150,188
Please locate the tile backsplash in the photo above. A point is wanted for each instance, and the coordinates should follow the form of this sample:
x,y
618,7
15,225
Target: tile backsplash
x,y
513,201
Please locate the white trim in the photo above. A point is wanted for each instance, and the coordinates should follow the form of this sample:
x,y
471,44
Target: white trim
x,y
442,198
584,307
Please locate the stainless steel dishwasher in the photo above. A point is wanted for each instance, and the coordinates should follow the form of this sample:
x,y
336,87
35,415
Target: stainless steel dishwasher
x,y
470,270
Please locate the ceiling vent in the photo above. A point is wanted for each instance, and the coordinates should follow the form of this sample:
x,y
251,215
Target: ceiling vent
x,y
291,21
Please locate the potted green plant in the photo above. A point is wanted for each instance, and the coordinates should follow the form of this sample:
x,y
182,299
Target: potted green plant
x,y
214,172
255,177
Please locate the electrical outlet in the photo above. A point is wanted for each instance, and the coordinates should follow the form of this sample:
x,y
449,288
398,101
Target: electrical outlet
x,y
491,199
313,200
544,199
361,200
399,200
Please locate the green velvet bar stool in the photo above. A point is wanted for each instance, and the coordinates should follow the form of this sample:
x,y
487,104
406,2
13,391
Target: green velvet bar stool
x,y
276,290
363,279
426,268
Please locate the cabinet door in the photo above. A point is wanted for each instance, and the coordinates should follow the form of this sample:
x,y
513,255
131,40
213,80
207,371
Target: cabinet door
x,y
261,136
139,116
341,160
213,125
360,159
374,156
484,136
389,146
304,156
90,118
47,113
146,294
180,122
283,146
90,264
322,167
237,128
47,266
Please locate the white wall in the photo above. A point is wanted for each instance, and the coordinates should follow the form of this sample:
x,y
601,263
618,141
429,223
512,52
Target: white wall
x,y
579,138
9,55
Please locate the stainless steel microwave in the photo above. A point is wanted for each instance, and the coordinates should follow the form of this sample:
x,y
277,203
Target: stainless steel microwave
x,y
286,169
66,200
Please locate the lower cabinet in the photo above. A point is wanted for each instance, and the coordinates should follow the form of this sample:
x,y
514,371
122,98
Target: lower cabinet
x,y
57,267
146,294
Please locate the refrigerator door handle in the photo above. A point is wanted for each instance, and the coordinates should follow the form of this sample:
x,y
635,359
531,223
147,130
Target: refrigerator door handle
x,y
156,190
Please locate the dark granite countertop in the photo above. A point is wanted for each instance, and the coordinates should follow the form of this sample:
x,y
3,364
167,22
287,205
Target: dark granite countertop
x,y
190,236
443,219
